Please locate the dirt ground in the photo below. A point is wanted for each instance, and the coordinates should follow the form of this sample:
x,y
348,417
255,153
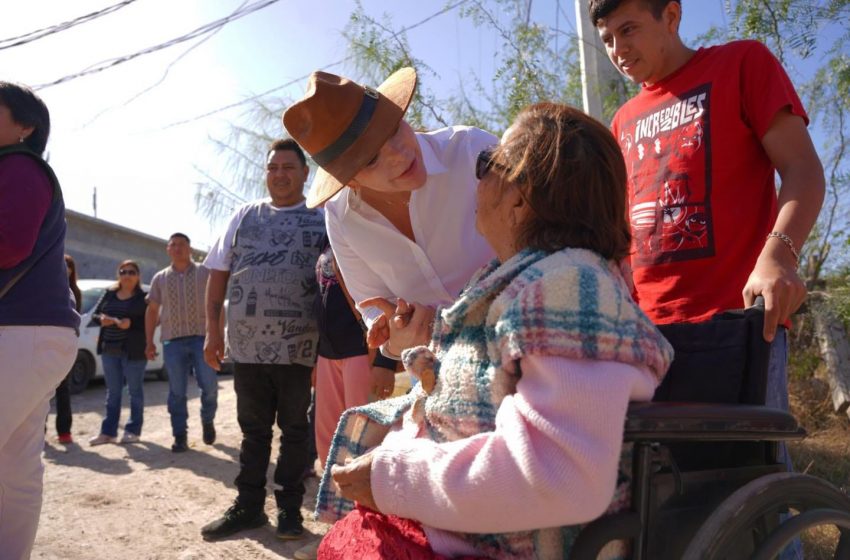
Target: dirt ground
x,y
143,502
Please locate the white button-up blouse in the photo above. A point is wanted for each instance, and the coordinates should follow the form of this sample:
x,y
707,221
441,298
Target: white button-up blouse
x,y
377,260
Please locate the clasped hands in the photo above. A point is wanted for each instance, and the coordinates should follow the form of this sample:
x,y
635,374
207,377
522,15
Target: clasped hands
x,y
402,325
108,321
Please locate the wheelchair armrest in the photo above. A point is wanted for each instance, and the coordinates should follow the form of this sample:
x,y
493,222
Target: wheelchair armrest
x,y
686,421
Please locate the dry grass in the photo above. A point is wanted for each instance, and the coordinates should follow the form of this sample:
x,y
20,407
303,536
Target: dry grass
x,y
825,453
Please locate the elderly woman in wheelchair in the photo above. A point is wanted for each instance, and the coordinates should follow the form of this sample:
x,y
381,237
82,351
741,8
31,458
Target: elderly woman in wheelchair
x,y
513,439
512,444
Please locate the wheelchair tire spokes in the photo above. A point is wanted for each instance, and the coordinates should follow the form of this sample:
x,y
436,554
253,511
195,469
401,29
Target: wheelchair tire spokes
x,y
746,519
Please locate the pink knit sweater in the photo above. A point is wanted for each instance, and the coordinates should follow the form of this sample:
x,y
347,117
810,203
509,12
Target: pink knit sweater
x,y
551,461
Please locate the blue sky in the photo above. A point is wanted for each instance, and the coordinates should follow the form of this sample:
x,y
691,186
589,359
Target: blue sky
x,y
145,171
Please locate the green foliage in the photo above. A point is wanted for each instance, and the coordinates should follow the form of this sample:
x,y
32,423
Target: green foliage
x,y
768,20
812,40
803,362
838,286
376,51
535,63
243,151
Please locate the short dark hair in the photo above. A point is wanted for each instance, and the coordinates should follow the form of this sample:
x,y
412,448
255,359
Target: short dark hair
x,y
599,9
181,235
287,144
27,109
570,169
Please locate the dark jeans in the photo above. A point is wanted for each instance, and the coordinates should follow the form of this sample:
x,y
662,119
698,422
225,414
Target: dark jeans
x,y
63,407
266,393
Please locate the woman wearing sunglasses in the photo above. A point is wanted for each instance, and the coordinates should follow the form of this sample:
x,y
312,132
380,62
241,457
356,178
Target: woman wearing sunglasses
x,y
514,437
121,345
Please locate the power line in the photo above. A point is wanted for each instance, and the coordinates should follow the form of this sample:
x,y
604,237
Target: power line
x,y
253,97
158,82
448,8
204,29
10,42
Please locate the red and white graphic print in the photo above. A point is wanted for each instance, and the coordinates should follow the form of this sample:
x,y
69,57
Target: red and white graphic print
x,y
669,164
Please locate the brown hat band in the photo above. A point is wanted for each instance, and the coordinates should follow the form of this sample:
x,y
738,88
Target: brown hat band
x,y
354,130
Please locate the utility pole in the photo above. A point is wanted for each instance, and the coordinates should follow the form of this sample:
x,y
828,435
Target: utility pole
x,y
94,201
599,78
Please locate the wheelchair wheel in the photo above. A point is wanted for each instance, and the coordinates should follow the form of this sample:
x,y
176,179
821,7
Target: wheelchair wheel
x,y
746,519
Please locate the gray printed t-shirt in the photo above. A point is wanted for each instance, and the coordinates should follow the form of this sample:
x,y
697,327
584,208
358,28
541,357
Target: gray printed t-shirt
x,y
271,254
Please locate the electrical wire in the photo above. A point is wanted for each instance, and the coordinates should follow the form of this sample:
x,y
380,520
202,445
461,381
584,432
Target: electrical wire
x,y
203,30
158,82
10,42
447,9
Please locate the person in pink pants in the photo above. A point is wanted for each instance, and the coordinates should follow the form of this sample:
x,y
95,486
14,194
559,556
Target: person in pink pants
x,y
347,374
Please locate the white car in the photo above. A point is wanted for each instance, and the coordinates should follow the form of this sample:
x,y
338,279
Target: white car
x,y
88,366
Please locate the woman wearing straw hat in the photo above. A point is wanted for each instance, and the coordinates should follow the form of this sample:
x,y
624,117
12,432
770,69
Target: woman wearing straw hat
x,y
400,205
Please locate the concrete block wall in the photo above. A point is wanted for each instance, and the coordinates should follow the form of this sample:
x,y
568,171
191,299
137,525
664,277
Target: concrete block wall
x,y
98,246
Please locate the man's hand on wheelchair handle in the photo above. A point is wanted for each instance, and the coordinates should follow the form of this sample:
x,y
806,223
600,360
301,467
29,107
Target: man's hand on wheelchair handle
x,y
775,278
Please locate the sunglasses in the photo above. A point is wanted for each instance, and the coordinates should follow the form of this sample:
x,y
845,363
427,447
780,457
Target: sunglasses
x,y
484,163
127,272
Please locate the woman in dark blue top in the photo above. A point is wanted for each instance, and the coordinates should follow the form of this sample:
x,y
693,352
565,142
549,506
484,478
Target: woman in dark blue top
x,y
121,345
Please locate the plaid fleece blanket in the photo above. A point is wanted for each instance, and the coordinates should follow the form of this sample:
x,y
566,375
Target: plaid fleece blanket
x,y
572,303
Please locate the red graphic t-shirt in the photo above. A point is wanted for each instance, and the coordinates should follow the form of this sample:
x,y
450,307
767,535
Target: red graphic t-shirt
x,y
702,196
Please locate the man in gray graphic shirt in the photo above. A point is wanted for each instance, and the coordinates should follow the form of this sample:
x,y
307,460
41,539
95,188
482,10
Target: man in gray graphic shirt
x,y
264,264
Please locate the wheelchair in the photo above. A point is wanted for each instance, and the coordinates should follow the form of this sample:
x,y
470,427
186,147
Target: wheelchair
x,y
707,483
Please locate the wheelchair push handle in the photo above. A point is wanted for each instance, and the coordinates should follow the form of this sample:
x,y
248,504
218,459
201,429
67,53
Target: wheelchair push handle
x,y
758,303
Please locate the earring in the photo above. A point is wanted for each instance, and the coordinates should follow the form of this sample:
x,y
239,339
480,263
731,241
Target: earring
x,y
21,139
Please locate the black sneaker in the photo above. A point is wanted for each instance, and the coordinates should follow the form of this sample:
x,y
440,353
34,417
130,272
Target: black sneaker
x,y
289,527
235,519
179,445
209,433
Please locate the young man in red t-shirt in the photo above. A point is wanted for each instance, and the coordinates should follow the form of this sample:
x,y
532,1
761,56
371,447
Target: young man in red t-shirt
x,y
702,141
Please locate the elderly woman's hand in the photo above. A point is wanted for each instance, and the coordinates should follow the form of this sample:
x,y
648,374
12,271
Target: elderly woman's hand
x,y
401,326
355,481
383,382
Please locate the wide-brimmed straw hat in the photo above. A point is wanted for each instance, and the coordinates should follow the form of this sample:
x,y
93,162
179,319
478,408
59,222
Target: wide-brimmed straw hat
x,y
342,125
